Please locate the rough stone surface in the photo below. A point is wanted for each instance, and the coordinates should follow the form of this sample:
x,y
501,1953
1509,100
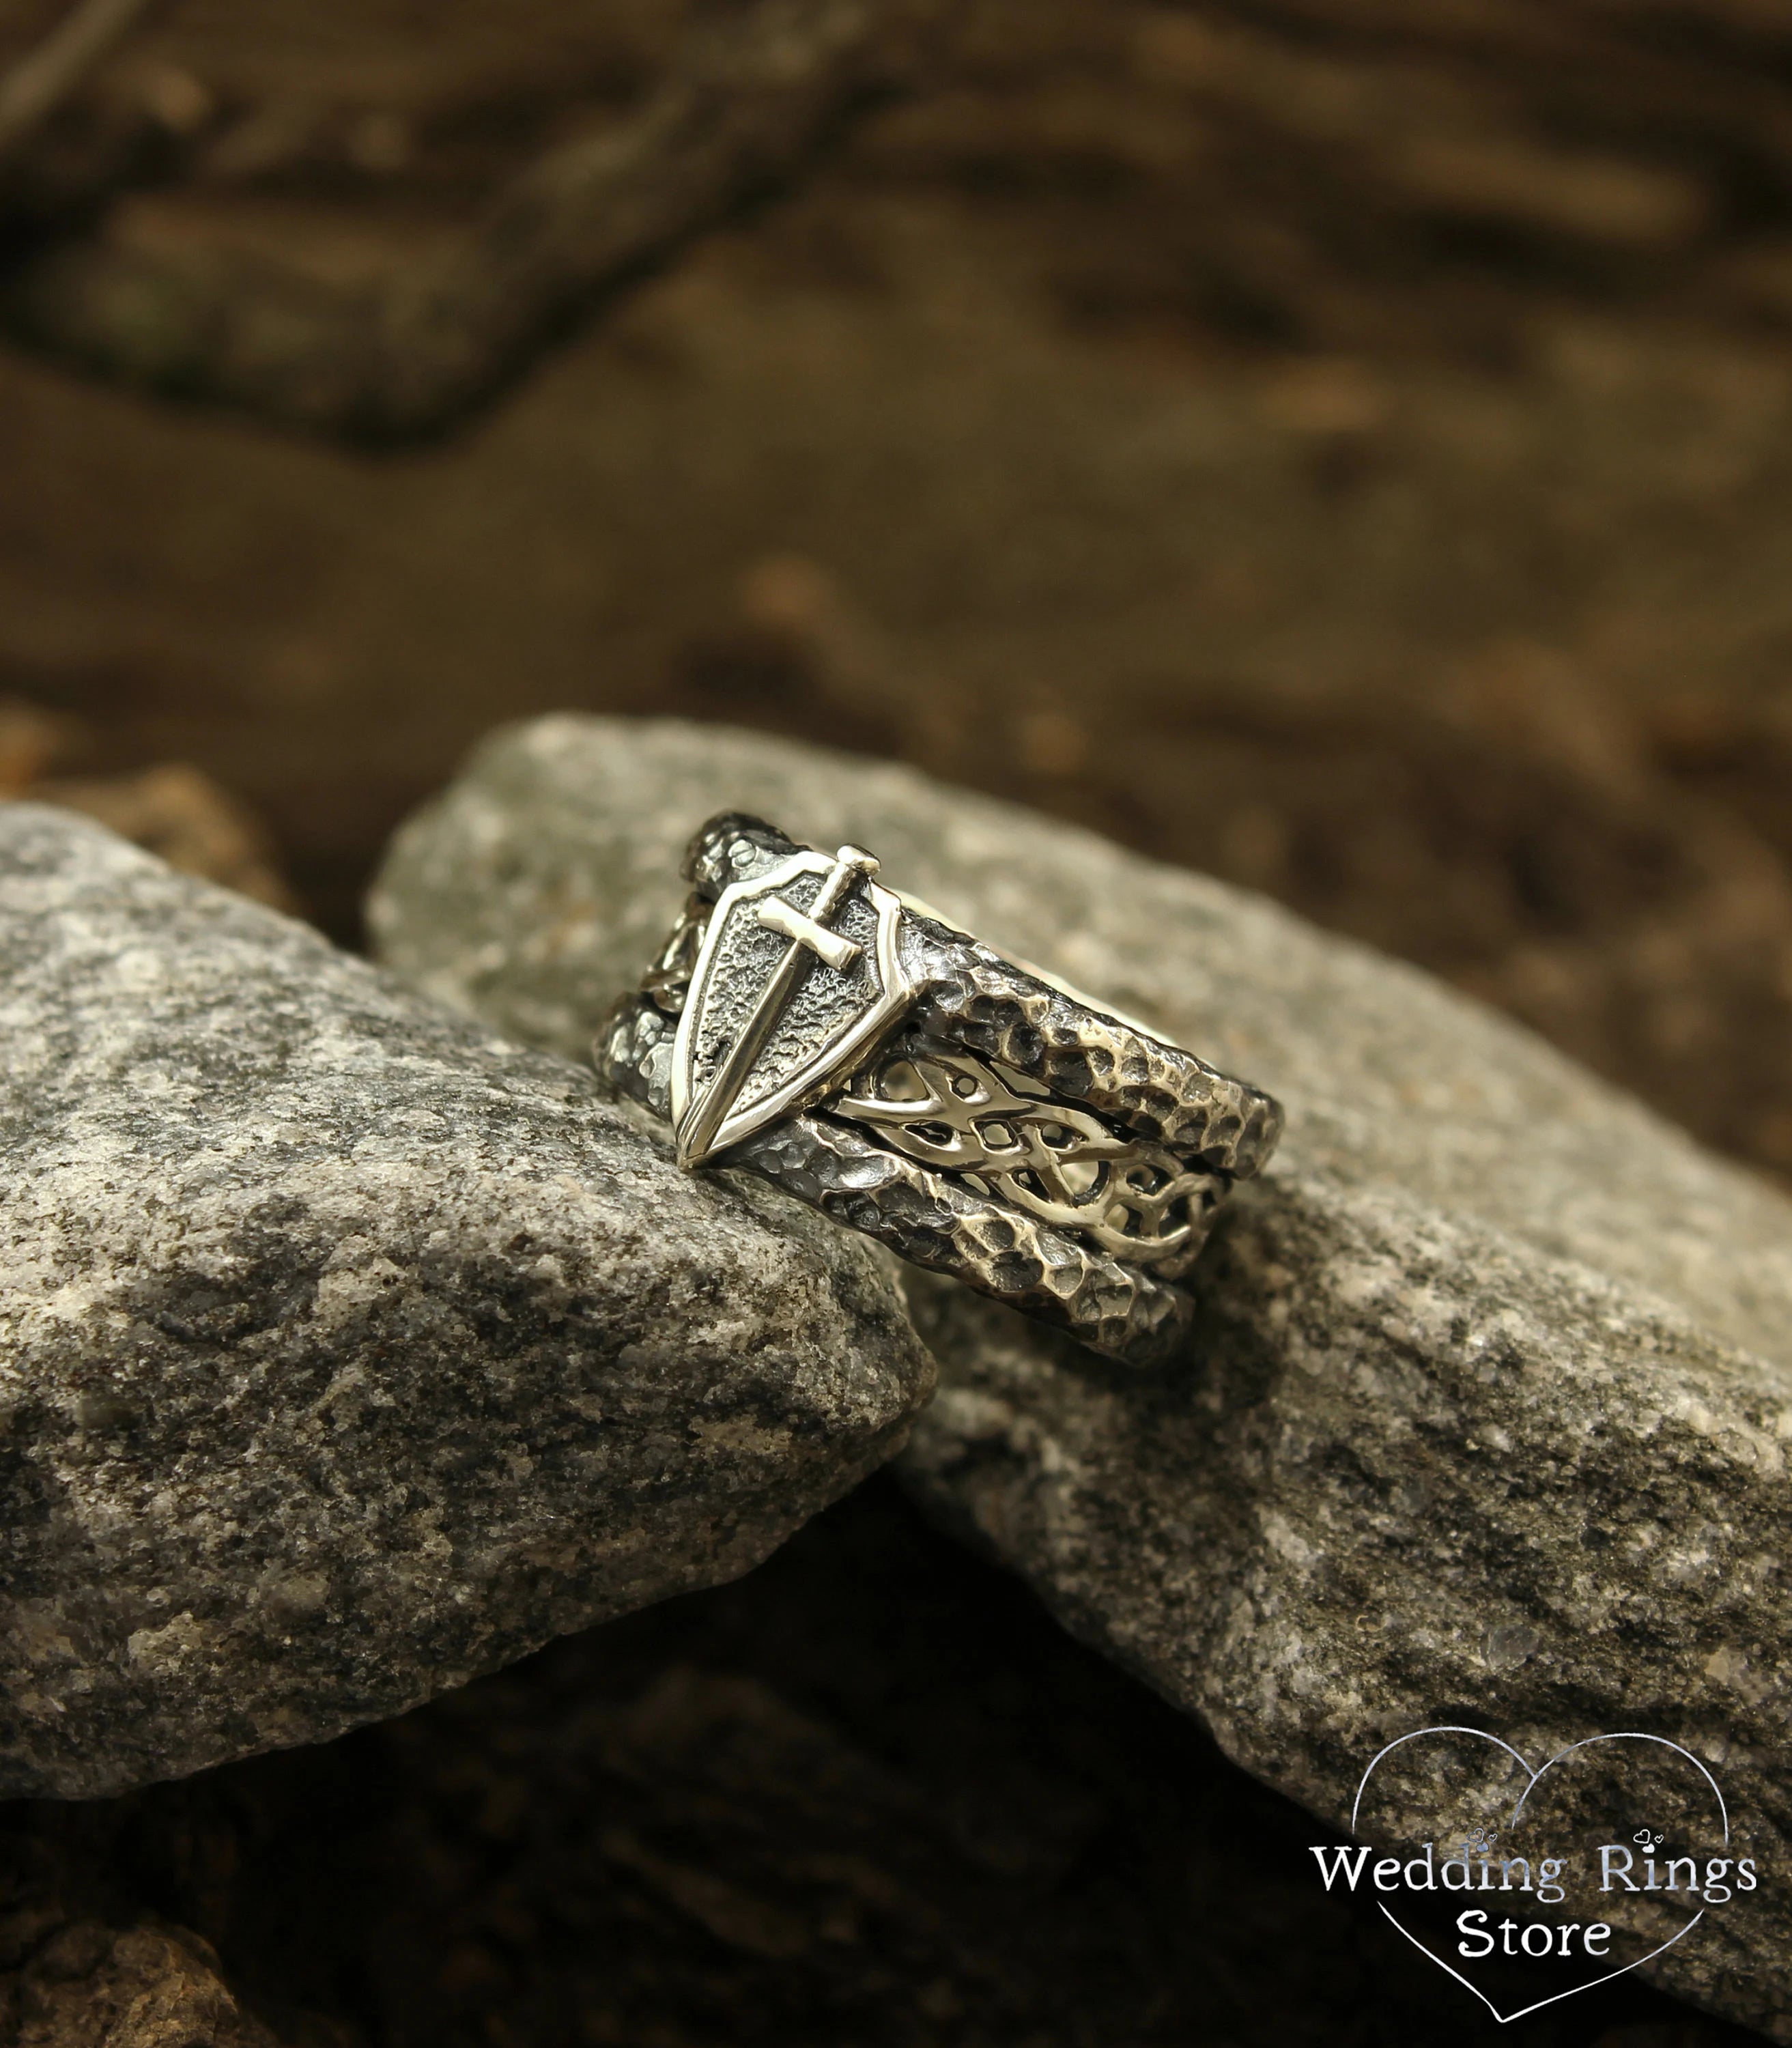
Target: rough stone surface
x,y
91,1986
1485,1415
345,1351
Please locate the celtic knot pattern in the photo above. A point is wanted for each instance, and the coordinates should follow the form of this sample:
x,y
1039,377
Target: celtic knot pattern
x,y
940,1105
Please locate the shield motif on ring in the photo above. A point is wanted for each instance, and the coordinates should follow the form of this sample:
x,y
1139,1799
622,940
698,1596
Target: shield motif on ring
x,y
823,1027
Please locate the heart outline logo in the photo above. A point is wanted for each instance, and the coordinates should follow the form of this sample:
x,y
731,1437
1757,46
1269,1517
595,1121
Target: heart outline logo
x,y
1533,1779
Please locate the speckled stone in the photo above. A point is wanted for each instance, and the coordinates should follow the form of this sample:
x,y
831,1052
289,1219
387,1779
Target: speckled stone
x,y
346,1350
1484,1417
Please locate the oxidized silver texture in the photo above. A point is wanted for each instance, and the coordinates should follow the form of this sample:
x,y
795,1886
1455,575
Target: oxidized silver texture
x,y
913,1084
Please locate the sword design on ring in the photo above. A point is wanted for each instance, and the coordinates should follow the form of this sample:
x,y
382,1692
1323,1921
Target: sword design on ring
x,y
745,1056
807,1023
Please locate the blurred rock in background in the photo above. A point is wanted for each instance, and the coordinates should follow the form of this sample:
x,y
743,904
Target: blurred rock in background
x,y
1393,401
173,810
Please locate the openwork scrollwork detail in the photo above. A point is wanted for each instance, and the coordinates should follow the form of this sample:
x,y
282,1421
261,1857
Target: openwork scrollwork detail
x,y
668,981
945,1108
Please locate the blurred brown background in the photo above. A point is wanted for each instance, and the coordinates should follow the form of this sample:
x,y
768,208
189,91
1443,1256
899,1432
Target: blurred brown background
x,y
1391,398
1388,400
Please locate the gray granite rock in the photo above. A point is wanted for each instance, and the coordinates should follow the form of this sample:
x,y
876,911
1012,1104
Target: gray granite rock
x,y
347,1350
1486,1415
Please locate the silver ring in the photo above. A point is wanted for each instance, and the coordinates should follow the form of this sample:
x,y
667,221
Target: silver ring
x,y
980,1118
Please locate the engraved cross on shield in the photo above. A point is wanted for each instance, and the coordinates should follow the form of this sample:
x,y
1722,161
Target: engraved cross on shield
x,y
797,980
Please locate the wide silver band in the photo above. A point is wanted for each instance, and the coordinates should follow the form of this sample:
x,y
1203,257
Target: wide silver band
x,y
809,1023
